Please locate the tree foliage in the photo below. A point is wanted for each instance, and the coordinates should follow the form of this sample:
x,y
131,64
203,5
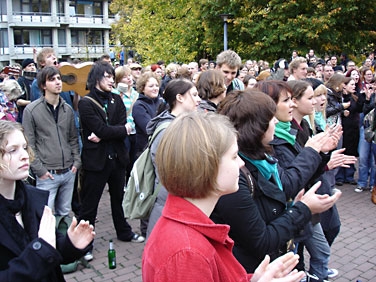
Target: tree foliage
x,y
186,30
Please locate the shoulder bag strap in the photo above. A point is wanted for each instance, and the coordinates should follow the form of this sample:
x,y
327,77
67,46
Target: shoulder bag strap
x,y
250,180
95,102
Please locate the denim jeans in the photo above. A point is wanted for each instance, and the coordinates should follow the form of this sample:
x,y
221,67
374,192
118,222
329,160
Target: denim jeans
x,y
61,190
319,250
367,165
346,174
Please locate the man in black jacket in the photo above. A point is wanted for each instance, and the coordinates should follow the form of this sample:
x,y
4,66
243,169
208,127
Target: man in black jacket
x,y
104,157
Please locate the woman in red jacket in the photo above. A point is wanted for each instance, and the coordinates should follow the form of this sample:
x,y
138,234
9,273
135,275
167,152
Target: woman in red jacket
x,y
198,162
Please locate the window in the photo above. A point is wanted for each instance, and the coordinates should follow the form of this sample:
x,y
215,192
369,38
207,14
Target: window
x,y
60,7
4,37
36,6
61,34
85,8
87,37
33,37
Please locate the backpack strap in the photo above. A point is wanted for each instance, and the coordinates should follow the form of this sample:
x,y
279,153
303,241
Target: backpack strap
x,y
164,125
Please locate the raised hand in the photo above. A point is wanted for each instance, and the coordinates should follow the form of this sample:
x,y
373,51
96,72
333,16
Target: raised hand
x,y
280,270
337,159
319,203
81,235
47,227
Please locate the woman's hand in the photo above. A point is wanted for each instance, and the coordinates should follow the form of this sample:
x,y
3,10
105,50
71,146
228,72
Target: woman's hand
x,y
319,203
94,138
81,235
280,270
346,105
128,127
47,227
337,159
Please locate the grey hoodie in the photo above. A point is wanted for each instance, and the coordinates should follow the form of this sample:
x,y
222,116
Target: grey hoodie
x,y
165,116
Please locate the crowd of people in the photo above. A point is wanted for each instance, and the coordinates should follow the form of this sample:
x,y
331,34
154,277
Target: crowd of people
x,y
258,153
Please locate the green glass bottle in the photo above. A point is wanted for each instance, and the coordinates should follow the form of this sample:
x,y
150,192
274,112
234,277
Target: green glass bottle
x,y
111,256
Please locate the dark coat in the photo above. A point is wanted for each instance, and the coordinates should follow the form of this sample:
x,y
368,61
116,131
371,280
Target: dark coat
x,y
111,131
39,261
334,105
259,222
144,109
350,125
287,155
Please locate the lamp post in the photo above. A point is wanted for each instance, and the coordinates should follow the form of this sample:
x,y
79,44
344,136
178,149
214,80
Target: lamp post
x,y
225,17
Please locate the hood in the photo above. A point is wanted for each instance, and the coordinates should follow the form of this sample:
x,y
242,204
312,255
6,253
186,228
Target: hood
x,y
154,122
207,106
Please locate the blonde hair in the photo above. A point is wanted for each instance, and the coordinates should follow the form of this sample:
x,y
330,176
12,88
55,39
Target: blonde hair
x,y
41,57
12,89
318,91
190,151
296,63
120,72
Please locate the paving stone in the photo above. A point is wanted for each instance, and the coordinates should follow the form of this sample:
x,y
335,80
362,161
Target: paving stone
x,y
353,251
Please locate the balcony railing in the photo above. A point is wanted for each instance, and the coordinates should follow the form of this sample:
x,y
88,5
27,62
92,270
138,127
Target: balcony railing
x,y
48,18
74,50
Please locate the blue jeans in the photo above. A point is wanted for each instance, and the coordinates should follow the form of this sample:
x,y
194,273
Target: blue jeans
x,y
61,191
367,165
319,250
346,174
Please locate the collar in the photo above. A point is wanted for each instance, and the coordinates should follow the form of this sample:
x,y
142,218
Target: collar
x,y
180,210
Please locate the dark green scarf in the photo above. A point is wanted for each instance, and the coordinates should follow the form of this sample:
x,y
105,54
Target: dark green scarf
x,y
282,130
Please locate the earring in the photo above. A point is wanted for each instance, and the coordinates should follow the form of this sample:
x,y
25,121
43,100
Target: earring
x,y
337,88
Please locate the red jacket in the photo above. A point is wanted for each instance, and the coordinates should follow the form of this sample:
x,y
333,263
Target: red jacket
x,y
186,245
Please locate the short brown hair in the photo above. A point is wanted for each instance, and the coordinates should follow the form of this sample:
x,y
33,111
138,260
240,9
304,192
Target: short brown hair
x,y
190,151
274,88
210,84
250,111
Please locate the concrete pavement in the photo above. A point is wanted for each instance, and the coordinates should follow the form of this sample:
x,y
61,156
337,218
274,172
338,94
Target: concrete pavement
x,y
353,251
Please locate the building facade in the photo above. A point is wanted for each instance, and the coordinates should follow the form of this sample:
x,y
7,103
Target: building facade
x,y
74,28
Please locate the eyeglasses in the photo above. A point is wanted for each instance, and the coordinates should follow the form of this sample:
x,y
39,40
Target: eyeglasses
x,y
138,69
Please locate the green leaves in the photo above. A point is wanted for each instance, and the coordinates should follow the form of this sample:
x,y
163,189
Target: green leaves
x,y
186,30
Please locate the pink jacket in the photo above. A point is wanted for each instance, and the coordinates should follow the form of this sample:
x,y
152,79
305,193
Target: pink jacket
x,y
186,245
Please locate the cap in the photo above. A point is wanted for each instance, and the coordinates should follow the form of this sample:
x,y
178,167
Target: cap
x,y
135,66
27,62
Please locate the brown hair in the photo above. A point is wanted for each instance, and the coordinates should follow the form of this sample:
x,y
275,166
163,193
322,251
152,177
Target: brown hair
x,y
250,111
190,151
274,88
298,88
335,81
210,84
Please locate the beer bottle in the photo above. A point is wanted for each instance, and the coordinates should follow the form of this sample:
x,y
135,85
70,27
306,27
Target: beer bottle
x,y
111,256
